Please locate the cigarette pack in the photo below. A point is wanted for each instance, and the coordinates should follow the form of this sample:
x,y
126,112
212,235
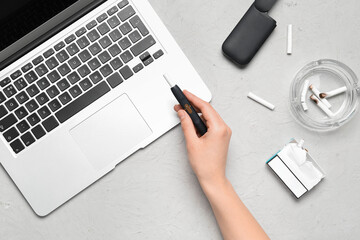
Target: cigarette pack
x,y
296,168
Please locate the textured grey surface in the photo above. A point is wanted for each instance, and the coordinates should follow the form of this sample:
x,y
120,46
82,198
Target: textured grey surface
x,y
154,194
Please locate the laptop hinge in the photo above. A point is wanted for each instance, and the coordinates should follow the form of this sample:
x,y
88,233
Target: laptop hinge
x,y
50,33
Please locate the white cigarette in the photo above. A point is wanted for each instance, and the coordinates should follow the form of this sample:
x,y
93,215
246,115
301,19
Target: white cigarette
x,y
333,93
261,101
317,94
305,107
304,91
289,39
322,106
301,143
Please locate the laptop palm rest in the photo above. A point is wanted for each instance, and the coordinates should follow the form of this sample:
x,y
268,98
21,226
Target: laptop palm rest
x,y
111,132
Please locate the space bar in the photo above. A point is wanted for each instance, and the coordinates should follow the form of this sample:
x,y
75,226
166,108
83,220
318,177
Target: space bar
x,y
82,102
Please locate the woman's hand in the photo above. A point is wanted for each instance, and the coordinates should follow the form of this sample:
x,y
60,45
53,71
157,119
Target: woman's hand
x,y
207,154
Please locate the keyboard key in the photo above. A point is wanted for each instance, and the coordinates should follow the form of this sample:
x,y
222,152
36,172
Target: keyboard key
x,y
116,63
102,17
124,43
2,97
126,56
95,49
54,105
91,24
38,132
137,23
38,60
158,54
22,97
11,134
48,53
7,122
112,10
20,84
31,105
41,70
5,82
82,102
62,56
53,91
138,68
65,98
104,56
15,75
115,35
80,32
106,70
3,111
85,84
83,70
64,69
74,62
11,104
31,77
125,28
123,3
94,63
33,119
93,35
44,112
126,72
75,91
9,91
27,67
28,139
42,98
84,55
114,80
73,77
23,126
50,124
143,45
63,85
114,50
135,36
105,42
59,46
17,146
32,90
103,28
148,61
53,76
21,113
72,49
113,21
96,77
43,83
52,63
70,38
83,42
126,13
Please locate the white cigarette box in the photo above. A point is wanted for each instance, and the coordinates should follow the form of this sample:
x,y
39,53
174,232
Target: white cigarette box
x,y
296,169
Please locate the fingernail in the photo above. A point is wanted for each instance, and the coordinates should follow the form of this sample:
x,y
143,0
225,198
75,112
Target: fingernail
x,y
181,114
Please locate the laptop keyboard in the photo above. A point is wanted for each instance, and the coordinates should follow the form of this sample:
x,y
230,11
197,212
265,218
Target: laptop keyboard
x,y
62,81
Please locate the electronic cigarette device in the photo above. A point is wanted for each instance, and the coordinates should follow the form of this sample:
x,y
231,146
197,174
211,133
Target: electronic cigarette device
x,y
185,104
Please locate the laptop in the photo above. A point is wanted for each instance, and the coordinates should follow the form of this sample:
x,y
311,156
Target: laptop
x,y
81,89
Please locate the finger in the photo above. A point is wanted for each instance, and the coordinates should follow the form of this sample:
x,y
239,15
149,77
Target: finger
x,y
205,108
177,107
187,127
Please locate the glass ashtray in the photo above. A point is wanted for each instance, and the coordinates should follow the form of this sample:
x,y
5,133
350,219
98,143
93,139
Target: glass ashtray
x,y
326,76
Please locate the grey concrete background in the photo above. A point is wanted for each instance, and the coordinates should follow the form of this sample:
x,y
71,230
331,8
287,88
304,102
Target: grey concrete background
x,y
155,195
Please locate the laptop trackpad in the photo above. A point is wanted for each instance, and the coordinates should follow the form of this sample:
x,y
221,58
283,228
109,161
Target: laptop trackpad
x,y
111,132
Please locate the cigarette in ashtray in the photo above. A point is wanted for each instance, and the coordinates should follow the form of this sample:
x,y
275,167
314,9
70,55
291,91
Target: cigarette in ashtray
x,y
332,93
303,95
317,94
322,106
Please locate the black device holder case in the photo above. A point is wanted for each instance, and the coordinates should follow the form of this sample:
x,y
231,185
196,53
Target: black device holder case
x,y
249,34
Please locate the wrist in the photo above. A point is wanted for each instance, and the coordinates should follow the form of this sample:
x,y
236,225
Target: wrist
x,y
213,184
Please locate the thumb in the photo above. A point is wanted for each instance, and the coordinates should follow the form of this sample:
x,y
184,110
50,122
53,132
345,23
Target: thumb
x,y
187,126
